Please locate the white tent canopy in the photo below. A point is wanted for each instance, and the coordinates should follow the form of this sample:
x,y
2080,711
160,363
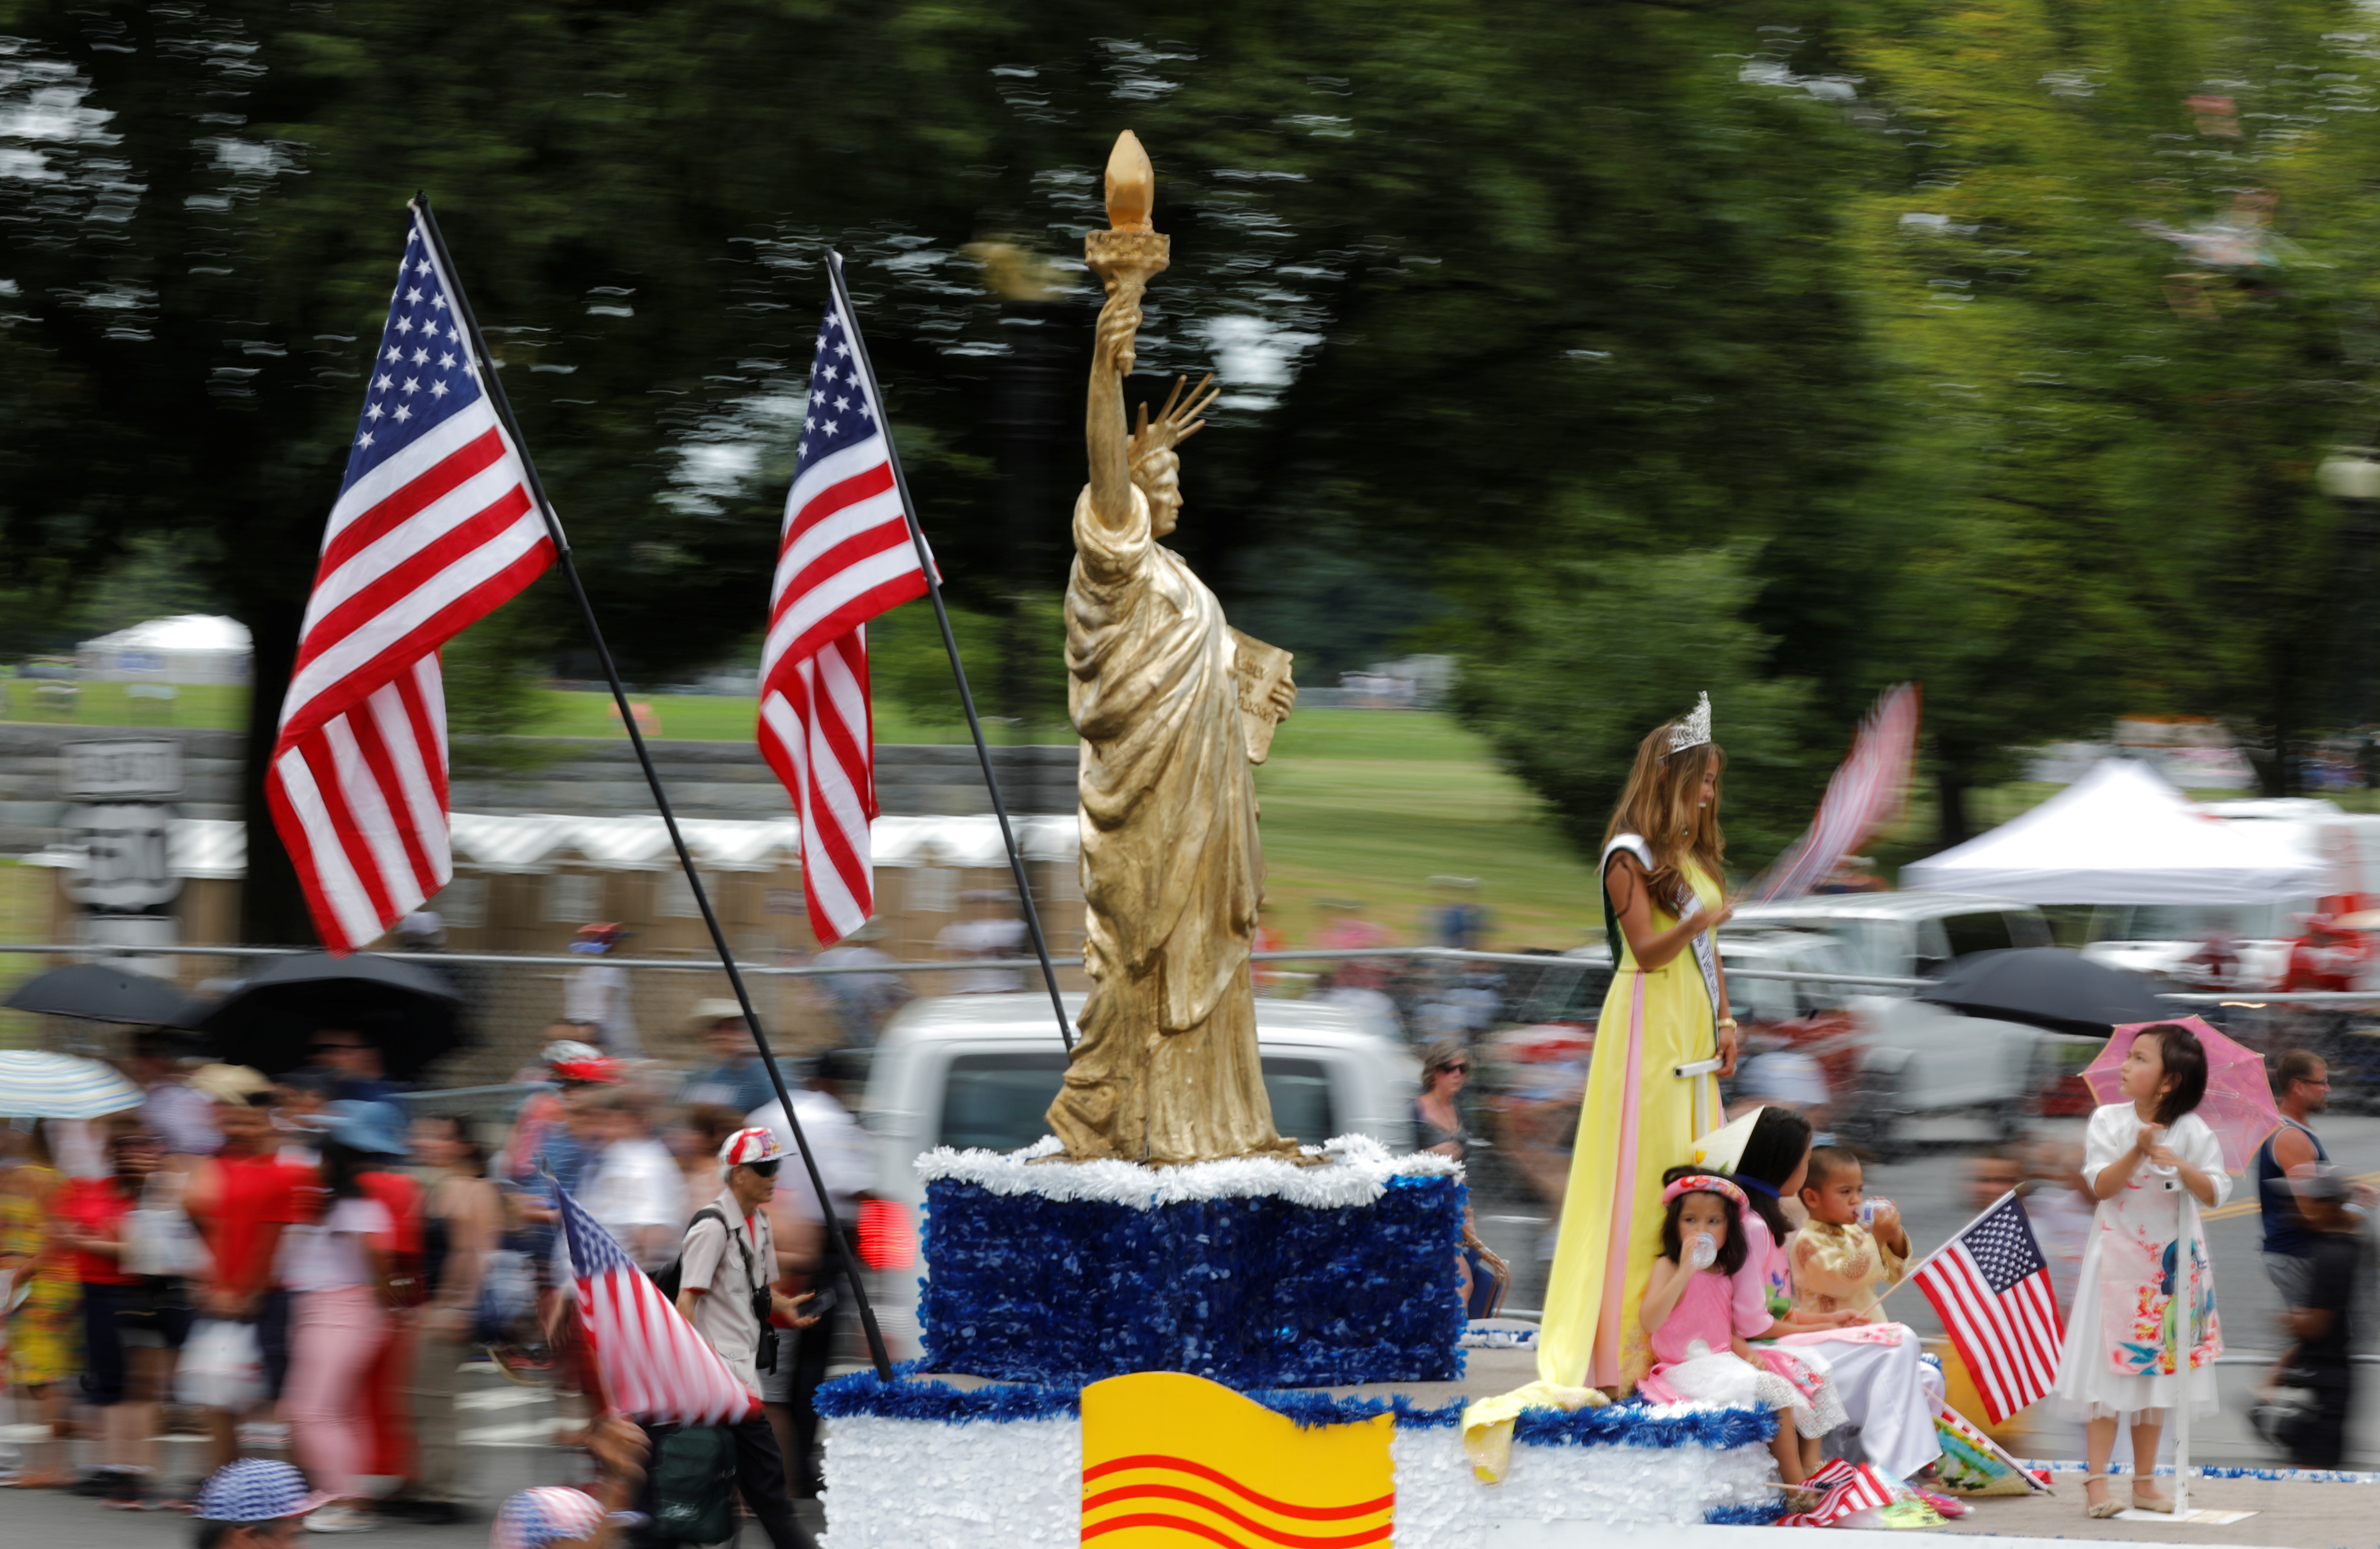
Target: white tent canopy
x,y
186,648
2122,835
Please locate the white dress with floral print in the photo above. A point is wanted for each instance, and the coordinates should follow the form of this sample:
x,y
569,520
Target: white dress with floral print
x,y
2125,1327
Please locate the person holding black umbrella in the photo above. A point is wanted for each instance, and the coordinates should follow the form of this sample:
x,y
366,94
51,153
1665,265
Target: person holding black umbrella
x,y
179,1117
356,1061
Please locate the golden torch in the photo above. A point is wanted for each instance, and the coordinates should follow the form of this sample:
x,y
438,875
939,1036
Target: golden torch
x,y
1130,250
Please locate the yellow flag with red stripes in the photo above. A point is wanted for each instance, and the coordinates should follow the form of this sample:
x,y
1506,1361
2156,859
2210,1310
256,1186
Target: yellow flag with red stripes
x,y
1172,1460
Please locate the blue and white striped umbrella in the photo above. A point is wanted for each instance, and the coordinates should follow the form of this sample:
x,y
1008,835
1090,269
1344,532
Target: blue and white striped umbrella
x,y
35,1086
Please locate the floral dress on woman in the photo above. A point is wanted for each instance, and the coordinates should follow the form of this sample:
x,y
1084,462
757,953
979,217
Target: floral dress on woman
x,y
44,1343
2128,1322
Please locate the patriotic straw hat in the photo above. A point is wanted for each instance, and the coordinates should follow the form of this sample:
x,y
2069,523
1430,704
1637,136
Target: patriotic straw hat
x,y
256,1490
538,1517
746,1146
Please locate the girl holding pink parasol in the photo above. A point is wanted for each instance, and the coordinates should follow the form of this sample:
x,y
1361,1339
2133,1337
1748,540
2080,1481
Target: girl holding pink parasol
x,y
2142,1334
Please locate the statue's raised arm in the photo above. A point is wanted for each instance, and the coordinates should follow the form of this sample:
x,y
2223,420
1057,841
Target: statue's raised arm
x,y
1125,256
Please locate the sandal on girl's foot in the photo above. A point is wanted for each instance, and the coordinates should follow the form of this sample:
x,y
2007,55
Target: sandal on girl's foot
x,y
2099,1508
2144,1500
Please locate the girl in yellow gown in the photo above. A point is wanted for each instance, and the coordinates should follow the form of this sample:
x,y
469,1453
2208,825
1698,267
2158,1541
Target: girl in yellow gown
x,y
1663,903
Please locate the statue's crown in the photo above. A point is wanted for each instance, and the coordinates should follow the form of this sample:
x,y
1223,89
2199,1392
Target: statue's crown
x,y
1696,730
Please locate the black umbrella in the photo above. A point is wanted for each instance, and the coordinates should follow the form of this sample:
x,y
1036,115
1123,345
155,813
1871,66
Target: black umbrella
x,y
270,1020
2047,987
97,992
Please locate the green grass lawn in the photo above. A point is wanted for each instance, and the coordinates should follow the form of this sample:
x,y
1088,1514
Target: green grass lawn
x,y
1369,805
217,707
24,915
720,718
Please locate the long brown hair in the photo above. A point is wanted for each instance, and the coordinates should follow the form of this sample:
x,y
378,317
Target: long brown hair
x,y
1662,803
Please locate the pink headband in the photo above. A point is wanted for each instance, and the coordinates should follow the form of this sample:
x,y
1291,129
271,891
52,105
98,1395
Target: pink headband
x,y
1704,1183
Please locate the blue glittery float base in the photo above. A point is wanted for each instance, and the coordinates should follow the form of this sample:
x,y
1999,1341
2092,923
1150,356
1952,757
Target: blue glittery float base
x,y
1249,1292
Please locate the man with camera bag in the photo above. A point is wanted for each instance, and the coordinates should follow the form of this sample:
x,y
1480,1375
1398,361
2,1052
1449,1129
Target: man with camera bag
x,y
723,1286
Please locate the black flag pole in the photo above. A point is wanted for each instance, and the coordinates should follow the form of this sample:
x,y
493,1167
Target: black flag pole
x,y
949,645
569,568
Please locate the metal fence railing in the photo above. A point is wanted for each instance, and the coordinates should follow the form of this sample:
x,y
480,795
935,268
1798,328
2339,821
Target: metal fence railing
x,y
513,1001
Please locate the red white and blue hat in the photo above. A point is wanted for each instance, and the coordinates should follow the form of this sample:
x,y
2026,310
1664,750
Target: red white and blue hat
x,y
546,1514
256,1490
746,1146
544,1517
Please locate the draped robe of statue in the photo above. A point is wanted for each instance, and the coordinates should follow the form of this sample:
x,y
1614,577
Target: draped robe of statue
x,y
1166,1069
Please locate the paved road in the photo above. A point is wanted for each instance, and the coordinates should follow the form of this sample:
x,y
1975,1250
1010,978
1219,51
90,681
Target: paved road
x,y
1932,1190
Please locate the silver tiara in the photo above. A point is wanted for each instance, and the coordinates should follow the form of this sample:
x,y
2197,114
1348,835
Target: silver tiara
x,y
1694,729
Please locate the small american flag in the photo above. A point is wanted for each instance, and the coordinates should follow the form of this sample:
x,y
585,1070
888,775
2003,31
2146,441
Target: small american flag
x,y
1867,792
1848,1487
844,557
651,1364
1991,1286
433,529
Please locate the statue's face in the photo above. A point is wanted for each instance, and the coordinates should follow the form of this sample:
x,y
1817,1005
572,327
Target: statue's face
x,y
1161,480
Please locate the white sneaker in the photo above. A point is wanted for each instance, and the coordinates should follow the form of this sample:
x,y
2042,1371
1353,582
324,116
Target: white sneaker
x,y
341,1519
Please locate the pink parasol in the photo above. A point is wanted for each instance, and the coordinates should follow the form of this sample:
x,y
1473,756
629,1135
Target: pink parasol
x,y
2239,1101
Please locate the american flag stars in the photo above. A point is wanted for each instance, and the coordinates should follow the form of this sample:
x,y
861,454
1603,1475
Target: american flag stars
x,y
425,364
839,412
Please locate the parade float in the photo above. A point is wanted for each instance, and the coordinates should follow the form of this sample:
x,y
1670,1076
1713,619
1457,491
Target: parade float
x,y
1166,1324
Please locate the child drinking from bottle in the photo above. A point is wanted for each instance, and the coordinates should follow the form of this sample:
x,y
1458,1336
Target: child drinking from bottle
x,y
2142,1335
1851,1249
1700,1355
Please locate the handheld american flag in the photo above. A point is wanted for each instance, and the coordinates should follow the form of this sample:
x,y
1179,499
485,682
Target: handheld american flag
x,y
434,529
1846,1488
844,556
653,1366
1991,1287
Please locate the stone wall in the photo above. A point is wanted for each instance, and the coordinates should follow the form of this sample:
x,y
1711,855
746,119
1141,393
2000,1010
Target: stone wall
x,y
29,760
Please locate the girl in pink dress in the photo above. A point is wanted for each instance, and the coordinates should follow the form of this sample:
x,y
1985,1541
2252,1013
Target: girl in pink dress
x,y
1700,1356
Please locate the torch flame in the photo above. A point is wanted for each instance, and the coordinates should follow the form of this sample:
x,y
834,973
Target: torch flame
x,y
1131,186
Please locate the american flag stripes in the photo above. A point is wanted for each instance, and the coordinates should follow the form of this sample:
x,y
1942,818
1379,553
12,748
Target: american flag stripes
x,y
844,556
1991,1287
1847,1487
651,1364
433,528
1866,793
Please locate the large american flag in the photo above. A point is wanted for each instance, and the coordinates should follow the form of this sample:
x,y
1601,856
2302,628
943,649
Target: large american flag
x,y
1991,1286
433,528
1867,792
651,1364
844,556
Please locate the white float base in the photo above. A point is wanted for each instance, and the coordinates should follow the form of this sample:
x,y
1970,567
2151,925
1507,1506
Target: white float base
x,y
932,1484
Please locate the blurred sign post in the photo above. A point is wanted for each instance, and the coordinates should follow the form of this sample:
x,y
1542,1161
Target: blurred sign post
x,y
121,824
116,772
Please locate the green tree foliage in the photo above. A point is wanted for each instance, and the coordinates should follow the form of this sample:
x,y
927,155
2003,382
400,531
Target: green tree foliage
x,y
1544,324
2124,278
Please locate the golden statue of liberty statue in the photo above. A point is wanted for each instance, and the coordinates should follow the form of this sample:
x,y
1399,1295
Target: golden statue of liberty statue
x,y
1174,709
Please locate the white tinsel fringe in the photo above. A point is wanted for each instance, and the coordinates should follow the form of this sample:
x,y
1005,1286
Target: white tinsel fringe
x,y
1442,1505
923,1485
1358,1172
